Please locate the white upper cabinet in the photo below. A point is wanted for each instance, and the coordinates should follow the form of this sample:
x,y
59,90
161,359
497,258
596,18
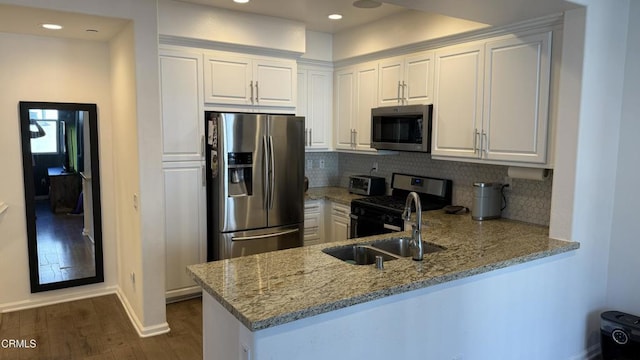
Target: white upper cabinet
x,y
182,105
516,98
231,79
275,82
356,93
492,101
406,80
316,105
228,80
457,114
344,107
366,99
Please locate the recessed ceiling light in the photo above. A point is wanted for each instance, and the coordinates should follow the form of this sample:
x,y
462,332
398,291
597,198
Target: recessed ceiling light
x,y
335,16
52,26
240,1
366,4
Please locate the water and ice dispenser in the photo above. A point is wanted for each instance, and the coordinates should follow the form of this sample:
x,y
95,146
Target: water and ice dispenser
x,y
239,178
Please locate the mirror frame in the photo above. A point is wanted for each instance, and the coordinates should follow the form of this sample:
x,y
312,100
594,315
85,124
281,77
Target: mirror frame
x,y
29,194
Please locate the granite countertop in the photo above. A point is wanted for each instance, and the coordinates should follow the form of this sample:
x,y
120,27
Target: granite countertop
x,y
333,193
278,287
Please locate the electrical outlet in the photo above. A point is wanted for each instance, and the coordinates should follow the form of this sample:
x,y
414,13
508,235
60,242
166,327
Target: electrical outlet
x,y
374,167
321,163
309,164
135,201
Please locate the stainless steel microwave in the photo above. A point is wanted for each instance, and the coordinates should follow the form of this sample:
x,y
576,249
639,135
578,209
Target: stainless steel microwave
x,y
402,128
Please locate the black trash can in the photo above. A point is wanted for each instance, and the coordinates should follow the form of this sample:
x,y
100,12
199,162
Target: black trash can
x,y
619,336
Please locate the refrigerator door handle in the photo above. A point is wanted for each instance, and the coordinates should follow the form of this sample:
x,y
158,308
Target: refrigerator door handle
x,y
272,180
265,181
265,236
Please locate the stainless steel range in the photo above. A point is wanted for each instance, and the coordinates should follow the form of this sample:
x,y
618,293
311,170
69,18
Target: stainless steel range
x,y
382,214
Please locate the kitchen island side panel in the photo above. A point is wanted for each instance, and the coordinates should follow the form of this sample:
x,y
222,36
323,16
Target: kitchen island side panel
x,y
471,318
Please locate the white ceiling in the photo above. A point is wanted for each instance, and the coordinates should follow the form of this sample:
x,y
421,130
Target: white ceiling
x,y
27,20
313,13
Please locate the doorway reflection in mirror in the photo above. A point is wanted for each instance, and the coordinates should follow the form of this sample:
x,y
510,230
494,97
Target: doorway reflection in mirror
x,y
62,194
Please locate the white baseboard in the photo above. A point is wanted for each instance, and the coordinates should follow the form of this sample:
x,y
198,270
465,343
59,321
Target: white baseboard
x,y
140,329
183,294
86,294
56,299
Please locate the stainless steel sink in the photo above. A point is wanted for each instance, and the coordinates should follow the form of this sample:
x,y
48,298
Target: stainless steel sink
x,y
389,249
358,254
400,246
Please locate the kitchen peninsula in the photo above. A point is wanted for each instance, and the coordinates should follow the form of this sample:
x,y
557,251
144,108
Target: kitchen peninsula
x,y
304,304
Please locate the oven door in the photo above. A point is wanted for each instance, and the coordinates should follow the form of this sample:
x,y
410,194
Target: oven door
x,y
362,226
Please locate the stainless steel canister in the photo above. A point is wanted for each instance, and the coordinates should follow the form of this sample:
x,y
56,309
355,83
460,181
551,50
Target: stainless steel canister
x,y
487,201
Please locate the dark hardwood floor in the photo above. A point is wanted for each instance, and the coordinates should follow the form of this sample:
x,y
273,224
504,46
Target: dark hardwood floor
x,y
64,253
99,328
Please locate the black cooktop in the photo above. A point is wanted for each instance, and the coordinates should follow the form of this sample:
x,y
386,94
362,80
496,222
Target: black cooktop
x,y
434,194
394,203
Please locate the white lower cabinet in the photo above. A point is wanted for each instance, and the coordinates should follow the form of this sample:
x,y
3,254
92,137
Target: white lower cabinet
x,y
340,222
185,224
313,222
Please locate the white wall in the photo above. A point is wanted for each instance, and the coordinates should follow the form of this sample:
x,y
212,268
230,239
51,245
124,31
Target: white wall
x,y
193,21
623,292
397,30
319,46
58,70
142,108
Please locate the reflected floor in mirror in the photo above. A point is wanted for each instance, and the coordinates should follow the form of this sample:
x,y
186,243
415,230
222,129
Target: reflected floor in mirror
x,y
64,253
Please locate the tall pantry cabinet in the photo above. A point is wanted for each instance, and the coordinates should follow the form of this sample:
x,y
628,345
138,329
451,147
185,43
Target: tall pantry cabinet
x,y
181,75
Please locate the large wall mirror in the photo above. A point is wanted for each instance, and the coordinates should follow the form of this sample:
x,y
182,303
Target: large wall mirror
x,y
62,194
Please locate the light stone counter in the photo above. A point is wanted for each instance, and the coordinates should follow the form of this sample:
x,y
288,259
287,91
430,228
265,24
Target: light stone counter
x,y
336,194
275,288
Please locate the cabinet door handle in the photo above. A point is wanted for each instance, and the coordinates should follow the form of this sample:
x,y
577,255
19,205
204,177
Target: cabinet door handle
x,y
355,137
310,137
475,140
257,93
404,93
202,148
204,176
398,98
484,144
251,86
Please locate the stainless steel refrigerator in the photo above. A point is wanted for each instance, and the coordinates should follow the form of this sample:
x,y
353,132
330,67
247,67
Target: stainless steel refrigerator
x,y
255,183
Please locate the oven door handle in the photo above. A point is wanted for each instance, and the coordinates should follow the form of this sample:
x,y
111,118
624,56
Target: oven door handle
x,y
391,227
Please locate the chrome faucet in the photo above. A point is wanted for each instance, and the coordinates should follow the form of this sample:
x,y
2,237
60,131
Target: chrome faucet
x,y
415,245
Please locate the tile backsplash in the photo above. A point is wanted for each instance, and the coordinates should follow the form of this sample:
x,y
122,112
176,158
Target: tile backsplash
x,y
527,200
